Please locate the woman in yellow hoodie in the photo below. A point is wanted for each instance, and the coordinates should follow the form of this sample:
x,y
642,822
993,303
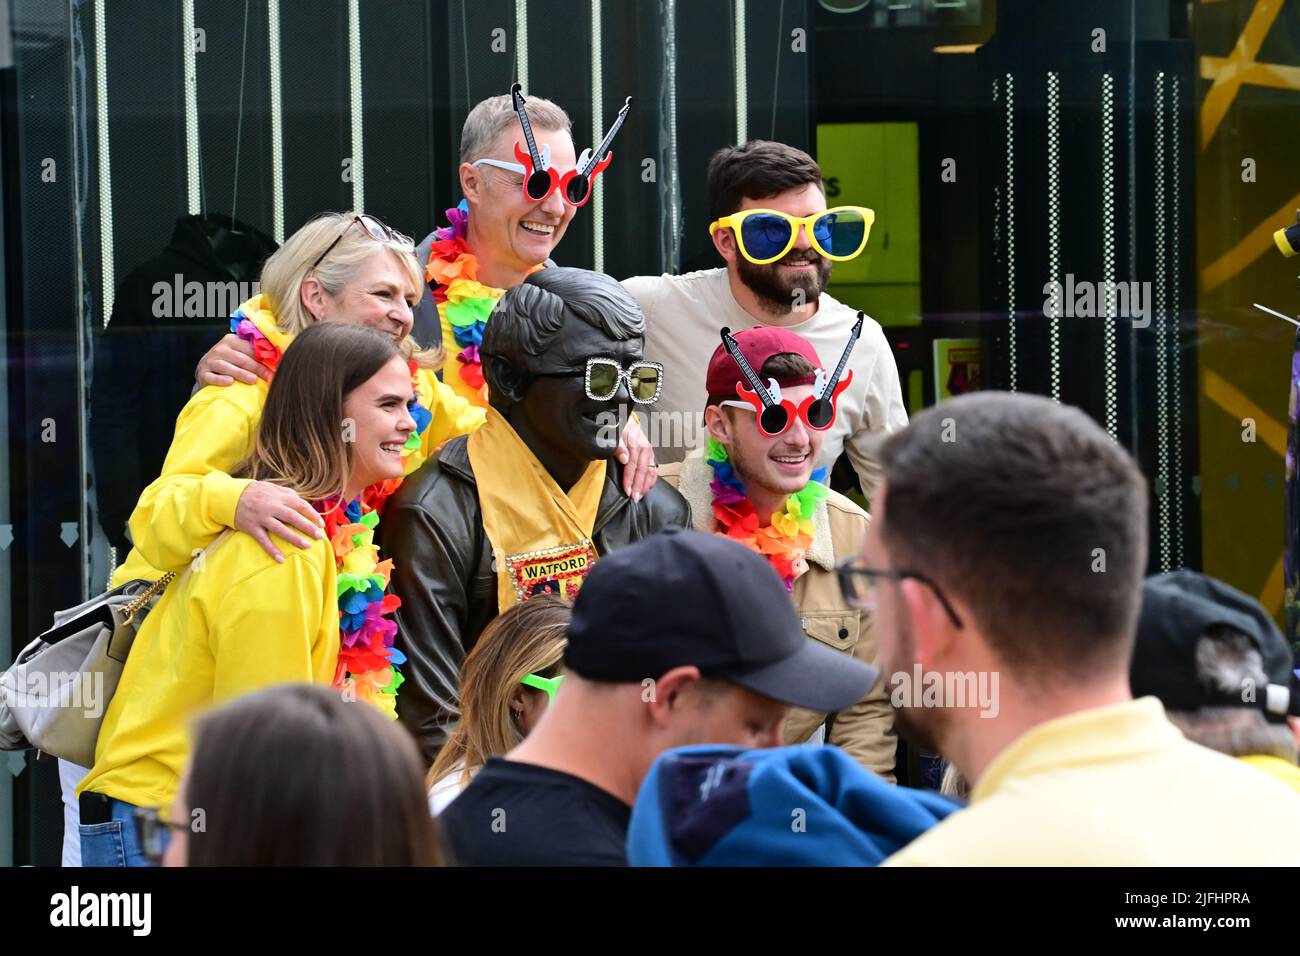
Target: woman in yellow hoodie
x,y
340,267
334,429
344,268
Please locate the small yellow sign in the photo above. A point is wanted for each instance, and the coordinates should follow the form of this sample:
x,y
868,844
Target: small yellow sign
x,y
957,367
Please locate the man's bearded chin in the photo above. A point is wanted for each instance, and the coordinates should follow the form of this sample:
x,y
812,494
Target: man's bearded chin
x,y
775,292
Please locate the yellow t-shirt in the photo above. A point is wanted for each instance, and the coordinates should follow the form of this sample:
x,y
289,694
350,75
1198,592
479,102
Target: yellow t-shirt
x,y
241,623
1115,786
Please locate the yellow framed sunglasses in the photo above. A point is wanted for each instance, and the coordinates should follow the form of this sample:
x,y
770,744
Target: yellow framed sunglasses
x,y
765,235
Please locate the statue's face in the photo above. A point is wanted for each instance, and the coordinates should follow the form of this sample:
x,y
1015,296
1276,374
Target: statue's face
x,y
557,409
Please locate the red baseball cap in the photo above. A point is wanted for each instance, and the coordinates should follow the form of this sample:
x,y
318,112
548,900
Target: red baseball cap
x,y
757,345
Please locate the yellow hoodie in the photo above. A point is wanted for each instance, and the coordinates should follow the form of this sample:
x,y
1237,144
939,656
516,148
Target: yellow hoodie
x,y
241,623
194,498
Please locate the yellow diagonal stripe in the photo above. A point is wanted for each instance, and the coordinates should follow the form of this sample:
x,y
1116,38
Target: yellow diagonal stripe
x,y
1277,75
1255,243
1228,397
1220,96
1233,401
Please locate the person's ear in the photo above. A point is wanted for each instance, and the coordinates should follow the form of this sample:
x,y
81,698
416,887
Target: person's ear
x,y
313,297
505,382
724,240
931,626
472,183
1294,724
719,424
662,695
518,700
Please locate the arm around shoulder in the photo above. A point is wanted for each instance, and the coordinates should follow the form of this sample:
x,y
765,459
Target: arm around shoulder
x,y
194,498
665,508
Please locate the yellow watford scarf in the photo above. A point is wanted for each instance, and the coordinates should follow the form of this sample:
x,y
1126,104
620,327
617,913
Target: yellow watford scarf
x,y
540,536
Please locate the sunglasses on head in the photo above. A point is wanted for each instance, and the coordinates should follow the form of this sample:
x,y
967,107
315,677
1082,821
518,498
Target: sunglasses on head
x,y
374,229
540,178
777,414
765,235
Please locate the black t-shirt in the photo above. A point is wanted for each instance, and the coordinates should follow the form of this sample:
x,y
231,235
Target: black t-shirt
x,y
520,814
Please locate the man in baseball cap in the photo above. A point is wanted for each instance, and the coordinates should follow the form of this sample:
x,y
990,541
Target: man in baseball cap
x,y
771,402
1221,668
682,638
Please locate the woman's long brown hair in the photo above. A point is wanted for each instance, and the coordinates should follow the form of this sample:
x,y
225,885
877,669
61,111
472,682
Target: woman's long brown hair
x,y
295,776
300,438
526,639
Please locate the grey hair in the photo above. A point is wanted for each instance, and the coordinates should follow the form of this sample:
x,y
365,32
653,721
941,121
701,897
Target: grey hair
x,y
287,268
496,113
1225,660
529,317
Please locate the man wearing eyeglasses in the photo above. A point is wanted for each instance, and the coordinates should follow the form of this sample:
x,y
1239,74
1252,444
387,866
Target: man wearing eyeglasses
x,y
498,234
531,500
1016,549
757,482
770,223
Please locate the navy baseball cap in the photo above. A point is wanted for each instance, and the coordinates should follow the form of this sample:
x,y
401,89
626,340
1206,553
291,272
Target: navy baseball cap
x,y
1177,610
684,598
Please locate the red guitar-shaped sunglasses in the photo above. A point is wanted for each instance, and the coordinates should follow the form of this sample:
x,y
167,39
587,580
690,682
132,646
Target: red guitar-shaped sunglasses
x,y
541,179
777,414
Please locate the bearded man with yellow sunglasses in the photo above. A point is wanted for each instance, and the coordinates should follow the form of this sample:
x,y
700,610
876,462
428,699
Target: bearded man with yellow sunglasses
x,y
770,223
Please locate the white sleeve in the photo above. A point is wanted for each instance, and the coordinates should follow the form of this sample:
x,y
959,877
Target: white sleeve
x,y
884,413
646,290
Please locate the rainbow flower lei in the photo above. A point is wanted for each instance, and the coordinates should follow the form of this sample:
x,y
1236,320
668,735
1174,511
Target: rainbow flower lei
x,y
368,660
786,540
462,300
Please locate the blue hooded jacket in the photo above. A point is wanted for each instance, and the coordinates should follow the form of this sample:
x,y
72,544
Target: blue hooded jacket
x,y
791,806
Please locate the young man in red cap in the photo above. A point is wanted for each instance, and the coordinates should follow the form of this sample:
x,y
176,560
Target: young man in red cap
x,y
771,402
770,223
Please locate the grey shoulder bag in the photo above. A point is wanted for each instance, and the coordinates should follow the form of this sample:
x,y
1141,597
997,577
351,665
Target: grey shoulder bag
x,y
54,696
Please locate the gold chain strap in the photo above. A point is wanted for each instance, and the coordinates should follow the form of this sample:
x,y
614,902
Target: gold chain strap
x,y
143,597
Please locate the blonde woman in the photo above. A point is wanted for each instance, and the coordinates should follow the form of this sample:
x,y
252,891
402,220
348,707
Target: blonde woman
x,y
507,681
340,267
238,620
